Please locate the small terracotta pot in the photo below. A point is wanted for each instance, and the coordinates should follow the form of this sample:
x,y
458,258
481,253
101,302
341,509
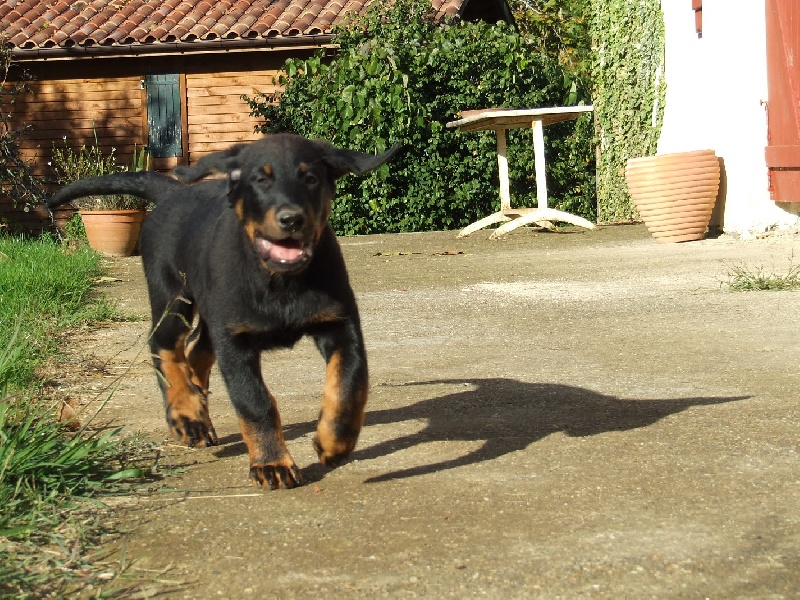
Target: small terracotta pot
x,y
675,193
113,232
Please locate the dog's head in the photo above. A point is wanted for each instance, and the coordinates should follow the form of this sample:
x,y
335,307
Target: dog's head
x,y
281,188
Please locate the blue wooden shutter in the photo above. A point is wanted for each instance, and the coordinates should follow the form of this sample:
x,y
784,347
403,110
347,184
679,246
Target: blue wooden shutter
x,y
164,115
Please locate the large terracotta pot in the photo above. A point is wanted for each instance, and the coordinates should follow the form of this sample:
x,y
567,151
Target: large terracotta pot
x,y
675,193
113,232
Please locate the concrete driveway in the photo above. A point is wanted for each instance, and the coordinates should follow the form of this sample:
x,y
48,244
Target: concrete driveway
x,y
554,415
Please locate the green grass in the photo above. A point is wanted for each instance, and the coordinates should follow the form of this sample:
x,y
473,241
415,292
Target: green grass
x,y
51,485
48,290
746,279
48,477
51,479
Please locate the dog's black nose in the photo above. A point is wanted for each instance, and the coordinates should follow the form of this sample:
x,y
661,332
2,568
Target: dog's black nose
x,y
290,219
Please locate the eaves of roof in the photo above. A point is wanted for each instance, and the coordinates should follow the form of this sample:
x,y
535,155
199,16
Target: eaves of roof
x,y
41,30
173,48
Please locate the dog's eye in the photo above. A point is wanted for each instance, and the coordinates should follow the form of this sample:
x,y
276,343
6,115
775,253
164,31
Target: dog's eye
x,y
310,179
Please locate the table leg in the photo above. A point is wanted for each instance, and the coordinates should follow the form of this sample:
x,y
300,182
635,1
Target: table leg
x,y
505,193
502,167
523,216
538,163
542,215
497,217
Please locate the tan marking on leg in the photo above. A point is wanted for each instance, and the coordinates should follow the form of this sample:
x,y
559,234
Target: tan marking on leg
x,y
200,364
176,374
271,464
340,419
263,447
186,404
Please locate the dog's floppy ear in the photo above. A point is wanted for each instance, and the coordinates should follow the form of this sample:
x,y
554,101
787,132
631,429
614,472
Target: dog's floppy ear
x,y
341,161
225,161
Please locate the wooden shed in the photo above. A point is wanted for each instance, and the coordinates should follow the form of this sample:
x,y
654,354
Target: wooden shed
x,y
168,74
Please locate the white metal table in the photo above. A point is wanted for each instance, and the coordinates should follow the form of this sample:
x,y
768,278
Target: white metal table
x,y
500,120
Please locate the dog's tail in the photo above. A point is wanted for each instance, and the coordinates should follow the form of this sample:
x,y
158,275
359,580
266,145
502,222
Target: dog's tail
x,y
149,185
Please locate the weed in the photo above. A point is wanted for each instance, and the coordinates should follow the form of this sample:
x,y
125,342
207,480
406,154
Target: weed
x,y
74,231
745,279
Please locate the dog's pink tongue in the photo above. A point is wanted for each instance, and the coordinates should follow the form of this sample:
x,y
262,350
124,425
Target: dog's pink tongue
x,y
264,248
285,253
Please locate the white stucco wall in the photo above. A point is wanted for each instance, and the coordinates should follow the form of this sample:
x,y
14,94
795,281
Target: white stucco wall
x,y
716,86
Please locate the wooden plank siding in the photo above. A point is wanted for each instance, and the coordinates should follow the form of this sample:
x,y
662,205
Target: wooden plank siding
x,y
111,110
79,108
216,114
81,98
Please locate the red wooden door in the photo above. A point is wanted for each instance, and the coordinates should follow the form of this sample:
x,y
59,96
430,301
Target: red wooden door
x,y
783,115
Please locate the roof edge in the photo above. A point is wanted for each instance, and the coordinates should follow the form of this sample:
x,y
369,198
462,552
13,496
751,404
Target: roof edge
x,y
161,48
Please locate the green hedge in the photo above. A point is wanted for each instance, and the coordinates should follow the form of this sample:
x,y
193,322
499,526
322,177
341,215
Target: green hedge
x,y
398,76
628,73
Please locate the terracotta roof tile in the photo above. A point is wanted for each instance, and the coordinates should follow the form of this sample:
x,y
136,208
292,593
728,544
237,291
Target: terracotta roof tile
x,y
31,24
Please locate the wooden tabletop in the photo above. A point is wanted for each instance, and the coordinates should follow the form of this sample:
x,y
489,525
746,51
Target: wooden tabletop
x,y
503,118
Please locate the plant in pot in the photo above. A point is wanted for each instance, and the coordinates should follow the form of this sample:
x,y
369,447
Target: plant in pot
x,y
112,222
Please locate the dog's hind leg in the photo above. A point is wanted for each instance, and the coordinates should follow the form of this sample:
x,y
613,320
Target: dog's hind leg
x,y
345,394
183,373
271,464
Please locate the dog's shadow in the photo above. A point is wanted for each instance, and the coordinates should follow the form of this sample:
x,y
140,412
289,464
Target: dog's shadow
x,y
504,414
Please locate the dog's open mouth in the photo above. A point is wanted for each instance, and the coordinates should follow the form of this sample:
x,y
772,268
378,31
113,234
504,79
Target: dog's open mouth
x,y
284,255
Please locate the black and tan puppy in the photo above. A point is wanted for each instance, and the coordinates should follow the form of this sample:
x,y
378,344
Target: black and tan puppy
x,y
251,261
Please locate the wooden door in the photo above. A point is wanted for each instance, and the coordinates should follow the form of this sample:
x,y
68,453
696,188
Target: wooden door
x,y
783,114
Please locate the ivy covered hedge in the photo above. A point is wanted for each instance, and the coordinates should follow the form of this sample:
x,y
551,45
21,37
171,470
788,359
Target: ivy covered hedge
x,y
628,74
399,76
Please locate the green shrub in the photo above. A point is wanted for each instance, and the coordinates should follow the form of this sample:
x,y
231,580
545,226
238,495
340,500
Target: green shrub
x,y
629,94
559,28
398,76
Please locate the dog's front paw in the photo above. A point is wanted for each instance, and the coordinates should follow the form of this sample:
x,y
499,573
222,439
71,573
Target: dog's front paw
x,y
276,476
334,452
192,432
